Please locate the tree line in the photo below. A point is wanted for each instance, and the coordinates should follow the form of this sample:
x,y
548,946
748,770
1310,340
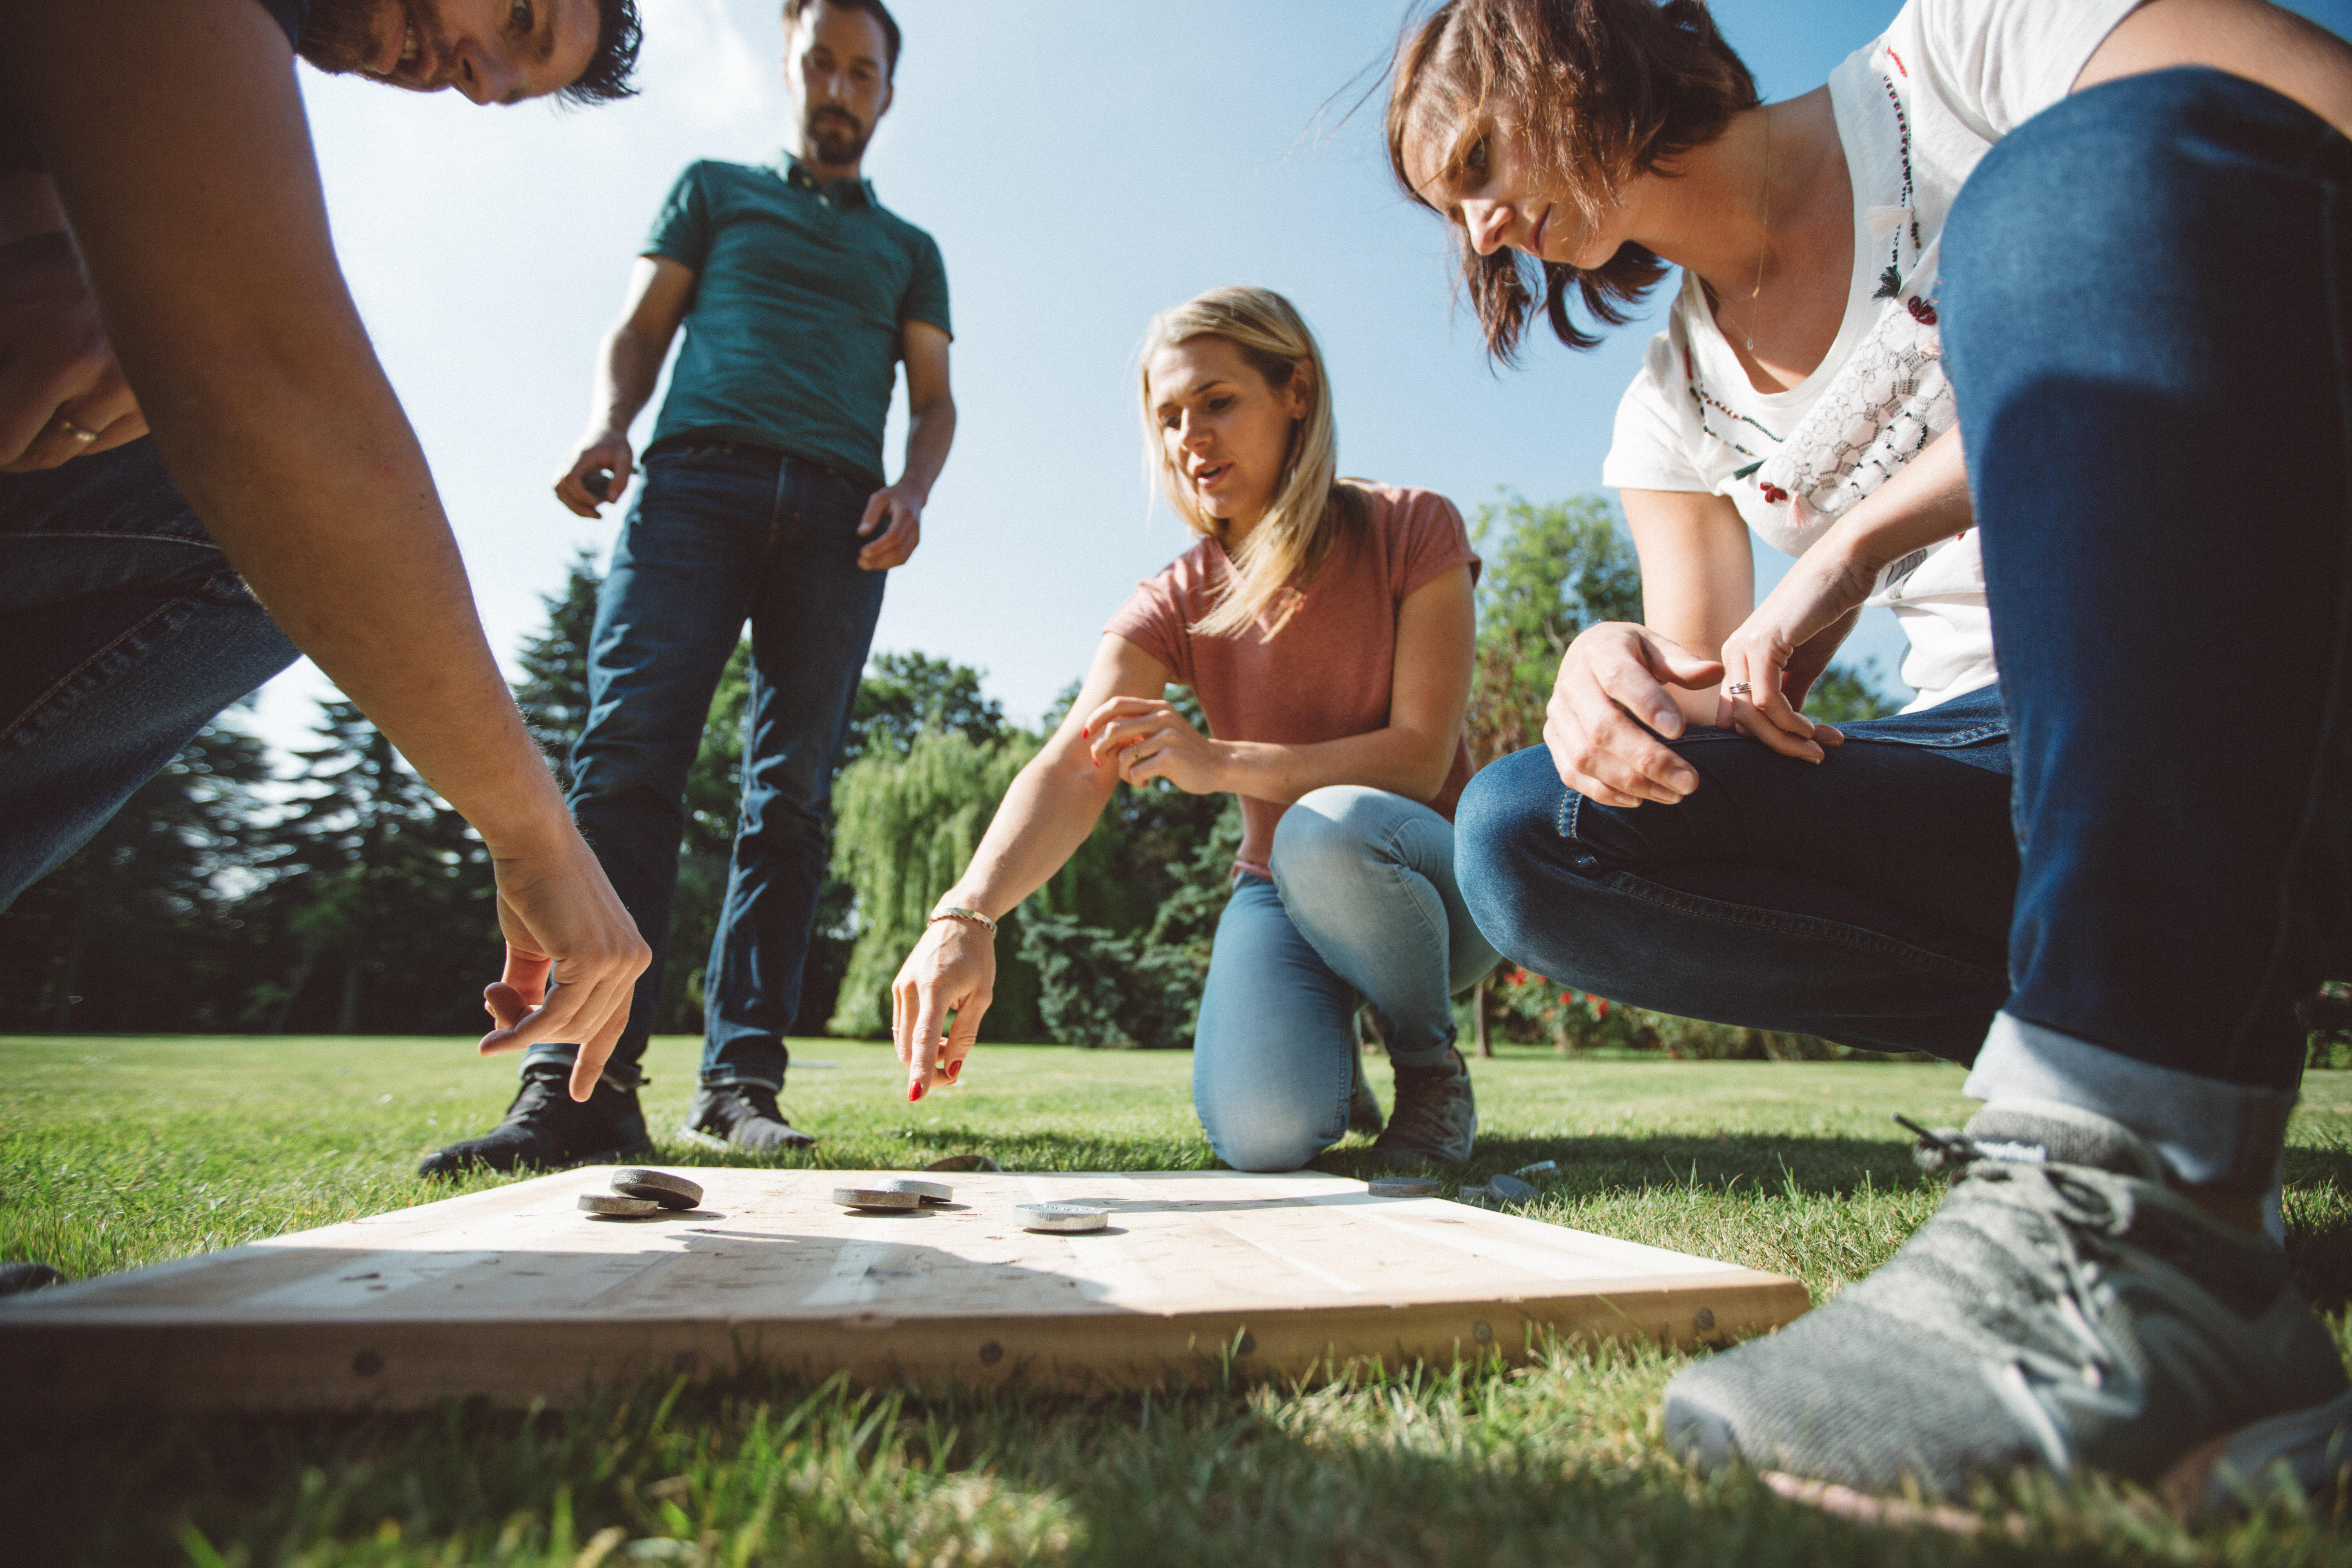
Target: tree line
x,y
345,898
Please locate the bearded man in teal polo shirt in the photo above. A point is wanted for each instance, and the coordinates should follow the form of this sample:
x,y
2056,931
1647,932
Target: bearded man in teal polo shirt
x,y
764,499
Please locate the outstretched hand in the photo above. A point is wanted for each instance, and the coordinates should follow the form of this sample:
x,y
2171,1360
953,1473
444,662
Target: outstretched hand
x,y
952,971
574,956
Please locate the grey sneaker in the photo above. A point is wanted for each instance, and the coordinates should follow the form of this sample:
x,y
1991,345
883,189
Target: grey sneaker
x,y
2063,1310
1435,1119
741,1116
1363,1105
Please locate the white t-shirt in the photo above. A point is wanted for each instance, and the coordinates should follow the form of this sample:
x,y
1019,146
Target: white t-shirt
x,y
1914,110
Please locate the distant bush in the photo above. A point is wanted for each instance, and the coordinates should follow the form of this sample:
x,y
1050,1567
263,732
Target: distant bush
x,y
1524,1007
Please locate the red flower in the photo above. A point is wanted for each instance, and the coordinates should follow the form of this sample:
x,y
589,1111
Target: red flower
x,y
1601,1006
1921,311
1772,492
1567,999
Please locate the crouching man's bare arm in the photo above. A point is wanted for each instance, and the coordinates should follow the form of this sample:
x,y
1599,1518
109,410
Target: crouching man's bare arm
x,y
177,140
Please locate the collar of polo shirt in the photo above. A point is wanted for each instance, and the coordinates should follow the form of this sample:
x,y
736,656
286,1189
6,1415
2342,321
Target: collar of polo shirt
x,y
843,192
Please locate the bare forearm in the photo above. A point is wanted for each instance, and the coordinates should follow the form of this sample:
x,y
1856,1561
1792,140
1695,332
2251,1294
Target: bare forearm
x,y
1926,502
316,489
1053,804
930,431
1403,761
195,204
627,366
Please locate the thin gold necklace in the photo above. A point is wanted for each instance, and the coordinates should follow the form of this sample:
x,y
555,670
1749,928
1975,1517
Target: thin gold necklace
x,y
1764,245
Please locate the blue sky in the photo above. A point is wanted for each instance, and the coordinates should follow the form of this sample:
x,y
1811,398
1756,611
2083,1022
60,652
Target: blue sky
x,y
1081,167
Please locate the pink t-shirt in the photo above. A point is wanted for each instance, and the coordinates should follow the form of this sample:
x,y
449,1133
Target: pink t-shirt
x,y
1327,675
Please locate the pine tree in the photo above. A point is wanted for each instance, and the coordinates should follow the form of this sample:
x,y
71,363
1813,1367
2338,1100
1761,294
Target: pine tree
x,y
553,692
380,880
149,896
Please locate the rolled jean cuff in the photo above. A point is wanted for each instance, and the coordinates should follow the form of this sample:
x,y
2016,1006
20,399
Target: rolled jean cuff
x,y
728,1078
2209,1134
625,1075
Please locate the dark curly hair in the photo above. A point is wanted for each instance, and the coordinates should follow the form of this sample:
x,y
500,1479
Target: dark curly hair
x,y
1606,89
607,80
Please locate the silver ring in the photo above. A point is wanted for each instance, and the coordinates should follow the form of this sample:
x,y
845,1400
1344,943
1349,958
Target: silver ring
x,y
1739,688
80,433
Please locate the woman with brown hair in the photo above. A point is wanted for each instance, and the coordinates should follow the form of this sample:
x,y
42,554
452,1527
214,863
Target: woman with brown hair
x,y
1326,626
2118,226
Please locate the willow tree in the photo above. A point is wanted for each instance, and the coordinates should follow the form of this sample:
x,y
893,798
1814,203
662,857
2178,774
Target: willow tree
x,y
904,827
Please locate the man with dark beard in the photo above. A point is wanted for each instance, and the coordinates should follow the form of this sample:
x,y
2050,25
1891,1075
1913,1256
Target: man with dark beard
x,y
763,502
165,262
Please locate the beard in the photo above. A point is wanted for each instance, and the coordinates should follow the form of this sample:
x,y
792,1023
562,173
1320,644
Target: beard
x,y
342,35
835,134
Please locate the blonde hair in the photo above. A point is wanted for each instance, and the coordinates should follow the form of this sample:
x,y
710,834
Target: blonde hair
x,y
1312,508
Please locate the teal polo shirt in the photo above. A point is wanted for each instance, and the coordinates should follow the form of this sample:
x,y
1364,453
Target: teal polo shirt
x,y
792,340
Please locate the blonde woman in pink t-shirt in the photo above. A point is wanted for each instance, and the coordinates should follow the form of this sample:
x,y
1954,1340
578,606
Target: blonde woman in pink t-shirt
x,y
1326,626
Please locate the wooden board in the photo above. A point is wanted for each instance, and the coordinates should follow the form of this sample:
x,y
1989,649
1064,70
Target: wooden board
x,y
515,1294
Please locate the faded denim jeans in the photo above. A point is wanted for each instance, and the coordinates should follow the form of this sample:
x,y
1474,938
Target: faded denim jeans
x,y
1363,907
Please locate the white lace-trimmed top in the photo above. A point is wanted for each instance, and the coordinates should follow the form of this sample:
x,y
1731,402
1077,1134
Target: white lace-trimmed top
x,y
1914,110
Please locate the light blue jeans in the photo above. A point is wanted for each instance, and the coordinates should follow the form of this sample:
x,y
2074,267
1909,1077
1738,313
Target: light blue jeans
x,y
1363,905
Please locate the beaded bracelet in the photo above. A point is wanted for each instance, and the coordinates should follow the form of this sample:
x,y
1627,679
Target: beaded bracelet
x,y
973,916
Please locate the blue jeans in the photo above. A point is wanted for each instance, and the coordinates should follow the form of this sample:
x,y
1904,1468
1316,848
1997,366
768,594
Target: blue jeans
x,y
2147,315
1363,904
1864,898
123,630
720,534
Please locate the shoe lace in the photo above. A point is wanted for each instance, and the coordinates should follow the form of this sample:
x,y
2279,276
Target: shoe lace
x,y
757,1100
1937,1150
535,1092
1420,1114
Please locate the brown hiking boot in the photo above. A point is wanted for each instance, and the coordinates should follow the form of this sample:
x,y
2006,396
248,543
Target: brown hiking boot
x,y
1435,1119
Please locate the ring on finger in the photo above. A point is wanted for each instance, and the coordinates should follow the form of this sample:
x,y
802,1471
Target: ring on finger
x,y
81,433
1739,688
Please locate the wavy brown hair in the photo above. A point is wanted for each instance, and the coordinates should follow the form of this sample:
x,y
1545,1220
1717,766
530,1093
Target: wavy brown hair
x,y
1605,91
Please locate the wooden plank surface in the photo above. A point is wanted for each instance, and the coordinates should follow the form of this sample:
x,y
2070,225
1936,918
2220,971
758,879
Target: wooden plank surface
x,y
515,1294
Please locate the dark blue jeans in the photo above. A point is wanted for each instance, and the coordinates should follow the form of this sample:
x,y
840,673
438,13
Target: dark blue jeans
x,y
123,630
2148,309
720,534
1864,898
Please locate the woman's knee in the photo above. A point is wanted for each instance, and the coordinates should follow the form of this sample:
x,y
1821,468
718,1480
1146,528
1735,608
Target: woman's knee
x,y
1266,1131
1331,833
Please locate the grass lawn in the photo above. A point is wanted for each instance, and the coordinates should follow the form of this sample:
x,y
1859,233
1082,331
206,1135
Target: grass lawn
x,y
117,1151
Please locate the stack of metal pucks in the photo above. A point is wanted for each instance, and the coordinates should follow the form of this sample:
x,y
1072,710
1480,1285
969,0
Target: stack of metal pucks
x,y
900,1195
641,1193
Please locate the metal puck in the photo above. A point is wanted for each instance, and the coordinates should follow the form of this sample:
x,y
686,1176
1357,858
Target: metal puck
x,y
618,1205
964,1163
929,1192
876,1199
1403,1187
660,1186
1541,1168
1511,1190
1062,1217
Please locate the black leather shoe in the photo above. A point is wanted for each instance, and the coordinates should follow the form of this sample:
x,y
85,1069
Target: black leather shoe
x,y
741,1116
545,1128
